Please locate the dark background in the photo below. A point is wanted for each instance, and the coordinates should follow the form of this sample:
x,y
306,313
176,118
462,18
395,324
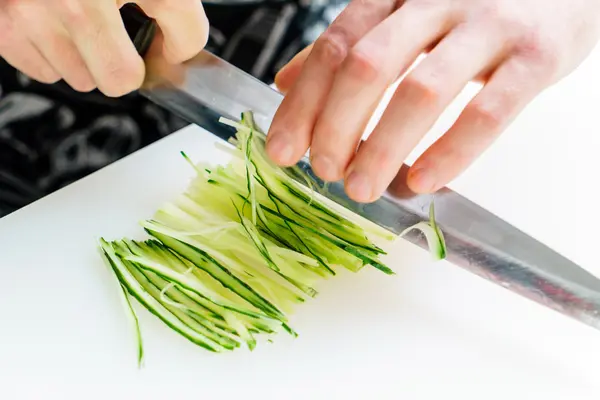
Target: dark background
x,y
51,136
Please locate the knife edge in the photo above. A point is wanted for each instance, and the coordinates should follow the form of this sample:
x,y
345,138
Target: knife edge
x,y
207,88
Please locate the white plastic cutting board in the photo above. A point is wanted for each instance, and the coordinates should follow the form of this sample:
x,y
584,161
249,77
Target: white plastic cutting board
x,y
431,332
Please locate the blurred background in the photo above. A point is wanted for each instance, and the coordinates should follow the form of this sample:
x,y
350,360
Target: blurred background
x,y
51,136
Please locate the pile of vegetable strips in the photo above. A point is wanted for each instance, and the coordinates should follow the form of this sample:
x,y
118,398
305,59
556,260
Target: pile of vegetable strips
x,y
231,257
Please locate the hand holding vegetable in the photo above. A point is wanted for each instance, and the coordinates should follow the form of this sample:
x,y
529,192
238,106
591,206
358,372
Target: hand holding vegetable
x,y
517,48
85,43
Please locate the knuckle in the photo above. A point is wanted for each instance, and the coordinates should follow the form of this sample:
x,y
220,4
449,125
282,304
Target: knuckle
x,y
422,89
504,21
360,66
500,15
488,114
421,5
540,49
331,48
377,155
121,79
529,41
72,12
81,82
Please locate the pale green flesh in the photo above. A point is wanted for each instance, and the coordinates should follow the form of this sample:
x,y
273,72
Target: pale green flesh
x,y
233,256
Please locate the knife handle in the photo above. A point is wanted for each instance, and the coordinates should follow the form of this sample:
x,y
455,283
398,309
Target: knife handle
x,y
140,28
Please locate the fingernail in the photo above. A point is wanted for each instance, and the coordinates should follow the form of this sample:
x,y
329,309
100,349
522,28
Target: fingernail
x,y
422,180
359,187
280,149
325,168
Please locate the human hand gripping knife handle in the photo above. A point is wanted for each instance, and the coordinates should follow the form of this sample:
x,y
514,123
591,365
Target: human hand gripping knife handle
x,y
207,87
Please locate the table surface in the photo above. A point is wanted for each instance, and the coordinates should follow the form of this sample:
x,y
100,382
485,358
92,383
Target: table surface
x,y
432,330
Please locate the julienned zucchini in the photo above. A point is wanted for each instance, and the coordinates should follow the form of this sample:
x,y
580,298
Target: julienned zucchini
x,y
230,258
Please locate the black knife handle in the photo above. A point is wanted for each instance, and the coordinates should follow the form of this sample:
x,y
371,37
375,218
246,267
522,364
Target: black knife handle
x,y
140,28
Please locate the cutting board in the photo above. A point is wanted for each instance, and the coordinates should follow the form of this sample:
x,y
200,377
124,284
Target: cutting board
x,y
432,331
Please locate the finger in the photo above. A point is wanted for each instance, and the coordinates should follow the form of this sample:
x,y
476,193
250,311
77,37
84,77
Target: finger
x,y
56,46
418,102
511,87
286,77
369,69
183,24
21,54
158,69
25,57
289,73
98,32
291,129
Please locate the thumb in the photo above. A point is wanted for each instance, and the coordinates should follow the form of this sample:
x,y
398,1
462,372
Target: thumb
x,y
287,76
183,24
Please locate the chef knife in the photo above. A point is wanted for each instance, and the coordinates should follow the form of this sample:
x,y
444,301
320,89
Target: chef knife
x,y
207,87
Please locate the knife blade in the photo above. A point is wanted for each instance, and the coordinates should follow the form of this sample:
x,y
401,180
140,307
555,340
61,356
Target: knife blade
x,y
207,87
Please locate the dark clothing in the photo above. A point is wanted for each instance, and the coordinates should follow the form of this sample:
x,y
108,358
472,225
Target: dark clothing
x,y
51,136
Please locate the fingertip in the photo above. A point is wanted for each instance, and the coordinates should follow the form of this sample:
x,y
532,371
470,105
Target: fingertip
x,y
81,81
48,75
326,168
282,81
280,150
359,187
83,87
171,55
286,77
422,180
124,79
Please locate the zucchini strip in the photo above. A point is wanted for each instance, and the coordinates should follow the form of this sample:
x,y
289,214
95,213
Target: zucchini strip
x,y
230,258
151,304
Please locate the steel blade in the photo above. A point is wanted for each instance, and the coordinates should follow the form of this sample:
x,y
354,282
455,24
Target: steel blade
x,y
207,87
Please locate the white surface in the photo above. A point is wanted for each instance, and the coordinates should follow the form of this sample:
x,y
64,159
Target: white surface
x,y
433,331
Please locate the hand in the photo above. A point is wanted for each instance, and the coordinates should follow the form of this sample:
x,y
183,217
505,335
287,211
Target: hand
x,y
85,43
516,48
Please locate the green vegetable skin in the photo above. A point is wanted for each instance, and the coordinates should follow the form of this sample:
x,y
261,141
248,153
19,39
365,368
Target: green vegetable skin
x,y
231,257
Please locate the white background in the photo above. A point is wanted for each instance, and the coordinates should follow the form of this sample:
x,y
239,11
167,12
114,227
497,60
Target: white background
x,y
433,331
